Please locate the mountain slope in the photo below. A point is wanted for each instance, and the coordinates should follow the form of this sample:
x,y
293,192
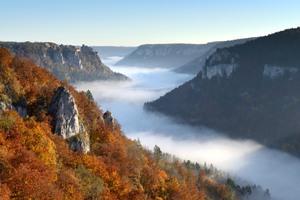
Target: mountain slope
x,y
37,164
66,62
247,91
164,55
196,65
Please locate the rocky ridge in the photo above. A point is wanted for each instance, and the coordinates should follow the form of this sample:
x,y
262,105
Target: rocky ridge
x,y
66,62
164,55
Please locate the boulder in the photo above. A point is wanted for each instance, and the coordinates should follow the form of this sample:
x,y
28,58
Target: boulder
x,y
66,121
108,119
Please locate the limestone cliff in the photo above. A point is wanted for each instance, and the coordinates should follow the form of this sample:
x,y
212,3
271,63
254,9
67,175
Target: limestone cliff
x,y
66,121
66,62
196,65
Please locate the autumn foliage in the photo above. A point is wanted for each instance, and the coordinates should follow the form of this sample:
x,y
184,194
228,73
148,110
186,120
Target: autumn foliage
x,y
36,164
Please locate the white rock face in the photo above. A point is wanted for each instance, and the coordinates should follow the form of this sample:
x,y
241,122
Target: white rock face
x,y
79,60
62,59
219,70
220,64
66,114
64,111
4,106
273,71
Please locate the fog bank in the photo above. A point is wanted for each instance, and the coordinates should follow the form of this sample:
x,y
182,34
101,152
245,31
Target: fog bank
x,y
269,168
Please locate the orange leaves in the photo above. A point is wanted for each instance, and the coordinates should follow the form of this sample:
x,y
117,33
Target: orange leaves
x,y
35,138
35,164
34,79
5,192
112,181
30,134
31,178
22,79
69,184
5,57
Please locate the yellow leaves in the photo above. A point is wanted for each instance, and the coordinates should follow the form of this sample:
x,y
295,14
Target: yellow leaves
x,y
8,119
2,141
69,184
3,152
111,138
162,173
36,140
3,96
39,165
172,184
32,135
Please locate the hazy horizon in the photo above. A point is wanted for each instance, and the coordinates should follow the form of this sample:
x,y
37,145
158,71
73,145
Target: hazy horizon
x,y
132,22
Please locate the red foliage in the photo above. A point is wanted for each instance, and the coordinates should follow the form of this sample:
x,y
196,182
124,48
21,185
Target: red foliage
x,y
36,164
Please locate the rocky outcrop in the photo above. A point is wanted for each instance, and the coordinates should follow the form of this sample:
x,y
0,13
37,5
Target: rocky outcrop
x,y
5,105
221,64
197,65
20,107
80,142
108,119
273,71
66,62
65,113
66,121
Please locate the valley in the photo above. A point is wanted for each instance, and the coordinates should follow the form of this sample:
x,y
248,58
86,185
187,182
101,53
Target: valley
x,y
150,100
243,158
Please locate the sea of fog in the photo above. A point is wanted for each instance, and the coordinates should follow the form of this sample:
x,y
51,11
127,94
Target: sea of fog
x,y
271,169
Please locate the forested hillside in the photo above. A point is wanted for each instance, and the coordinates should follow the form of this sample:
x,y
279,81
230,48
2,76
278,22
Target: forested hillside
x,y
35,163
196,65
246,91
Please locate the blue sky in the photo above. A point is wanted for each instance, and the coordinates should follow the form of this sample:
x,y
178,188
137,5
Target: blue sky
x,y
135,22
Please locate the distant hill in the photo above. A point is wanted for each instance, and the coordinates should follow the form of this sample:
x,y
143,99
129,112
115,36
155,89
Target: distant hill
x,y
247,91
108,51
196,65
66,62
165,55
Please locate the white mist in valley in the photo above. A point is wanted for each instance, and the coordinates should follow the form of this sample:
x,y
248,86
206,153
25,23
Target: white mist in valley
x,y
271,169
